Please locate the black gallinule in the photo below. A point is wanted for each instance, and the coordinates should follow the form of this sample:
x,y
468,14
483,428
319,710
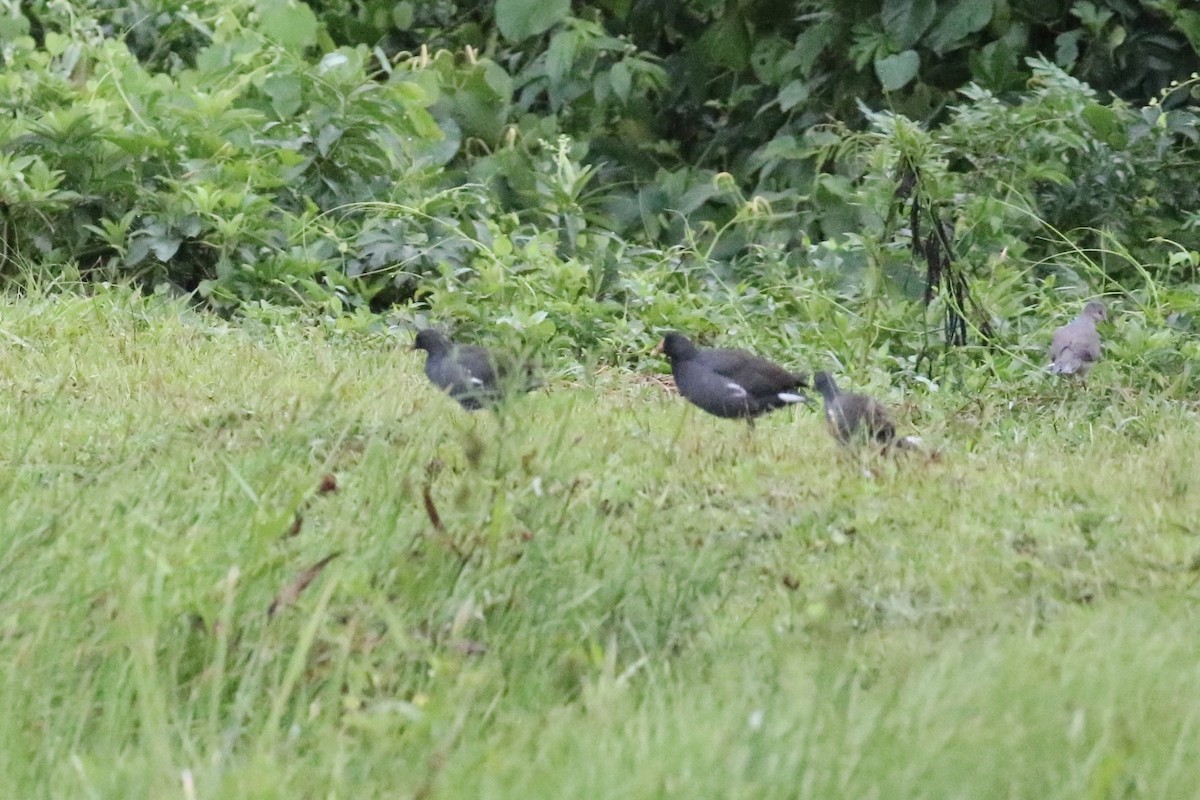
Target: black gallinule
x,y
853,417
1075,348
730,383
470,374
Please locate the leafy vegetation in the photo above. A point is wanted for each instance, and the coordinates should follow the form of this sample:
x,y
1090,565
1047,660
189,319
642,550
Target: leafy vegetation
x,y
270,560
359,157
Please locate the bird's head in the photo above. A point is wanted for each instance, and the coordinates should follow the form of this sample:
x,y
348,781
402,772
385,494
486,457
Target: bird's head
x,y
1096,311
431,342
675,345
824,383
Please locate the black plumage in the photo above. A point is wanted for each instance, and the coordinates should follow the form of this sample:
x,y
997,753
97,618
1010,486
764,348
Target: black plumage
x,y
853,417
730,383
469,373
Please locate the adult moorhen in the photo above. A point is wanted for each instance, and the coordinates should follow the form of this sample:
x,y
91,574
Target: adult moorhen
x,y
730,383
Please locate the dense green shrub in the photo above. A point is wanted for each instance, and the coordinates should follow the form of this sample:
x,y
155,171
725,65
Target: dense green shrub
x,y
556,178
657,90
222,176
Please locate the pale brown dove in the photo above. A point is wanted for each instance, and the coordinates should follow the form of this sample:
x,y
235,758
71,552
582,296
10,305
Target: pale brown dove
x,y
1075,348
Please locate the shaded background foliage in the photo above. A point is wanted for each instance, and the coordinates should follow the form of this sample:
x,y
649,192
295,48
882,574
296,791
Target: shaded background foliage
x,y
586,173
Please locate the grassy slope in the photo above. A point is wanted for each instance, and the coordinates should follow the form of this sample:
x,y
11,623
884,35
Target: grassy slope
x,y
628,599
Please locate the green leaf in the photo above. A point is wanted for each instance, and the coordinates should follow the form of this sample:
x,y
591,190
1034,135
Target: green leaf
x,y
895,72
1106,123
480,104
1189,23
1066,50
403,15
498,79
56,43
327,138
520,19
284,91
426,81
964,18
812,43
793,95
770,59
560,55
287,23
410,93
12,26
436,148
777,151
995,66
727,42
905,21
622,80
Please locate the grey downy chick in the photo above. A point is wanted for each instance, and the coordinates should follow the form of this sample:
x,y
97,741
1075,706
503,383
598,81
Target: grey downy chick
x,y
853,418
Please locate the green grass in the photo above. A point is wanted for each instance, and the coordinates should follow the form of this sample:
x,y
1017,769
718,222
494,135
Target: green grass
x,y
626,599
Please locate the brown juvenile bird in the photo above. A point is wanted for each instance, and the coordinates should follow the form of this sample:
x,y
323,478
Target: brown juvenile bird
x,y
730,383
853,417
1075,348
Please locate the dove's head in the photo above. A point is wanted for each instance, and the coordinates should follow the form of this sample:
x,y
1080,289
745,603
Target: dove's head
x,y
1095,310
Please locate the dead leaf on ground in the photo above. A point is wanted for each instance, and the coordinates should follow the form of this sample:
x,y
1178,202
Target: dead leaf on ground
x,y
290,593
328,483
431,509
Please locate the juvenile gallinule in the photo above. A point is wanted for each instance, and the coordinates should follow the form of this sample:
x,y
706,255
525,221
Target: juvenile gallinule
x,y
470,374
730,383
853,417
1075,348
